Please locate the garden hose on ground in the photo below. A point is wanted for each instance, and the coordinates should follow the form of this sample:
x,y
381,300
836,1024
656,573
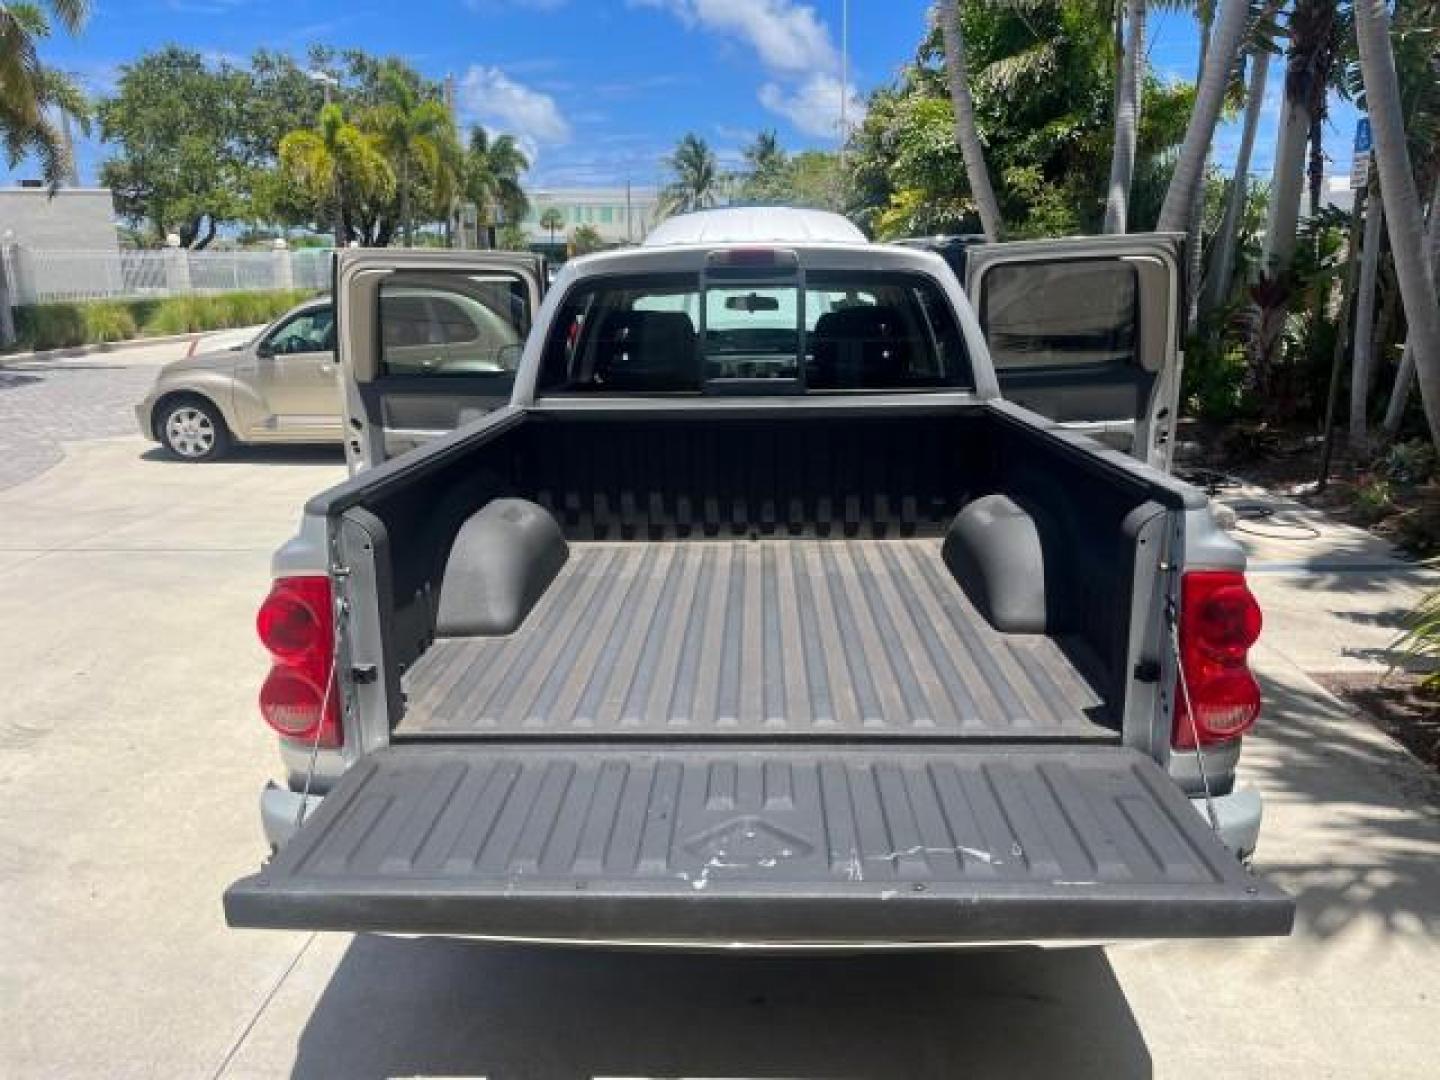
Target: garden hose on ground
x,y
1213,482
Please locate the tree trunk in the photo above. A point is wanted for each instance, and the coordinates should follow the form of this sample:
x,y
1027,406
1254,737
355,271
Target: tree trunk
x,y
405,201
204,241
1397,182
1287,179
1209,97
1222,258
1194,226
337,189
1127,120
966,133
1361,364
1405,376
1342,334
1315,170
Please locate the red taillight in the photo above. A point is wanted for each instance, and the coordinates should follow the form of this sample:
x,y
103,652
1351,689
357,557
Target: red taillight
x,y
1219,621
299,698
744,257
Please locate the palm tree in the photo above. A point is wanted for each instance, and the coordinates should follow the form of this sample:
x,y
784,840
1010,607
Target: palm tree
x,y
336,163
967,134
1222,259
697,182
417,135
765,154
552,220
1402,201
1361,362
28,89
1317,32
585,239
1189,175
1127,119
491,176
1405,376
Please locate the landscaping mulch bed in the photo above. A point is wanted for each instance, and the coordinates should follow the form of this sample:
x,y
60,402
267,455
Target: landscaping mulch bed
x,y
1398,706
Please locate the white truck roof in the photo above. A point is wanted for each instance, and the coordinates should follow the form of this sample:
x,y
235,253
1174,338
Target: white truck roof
x,y
755,225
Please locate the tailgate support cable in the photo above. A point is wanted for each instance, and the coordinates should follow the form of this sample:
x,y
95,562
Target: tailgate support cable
x,y
341,609
1172,620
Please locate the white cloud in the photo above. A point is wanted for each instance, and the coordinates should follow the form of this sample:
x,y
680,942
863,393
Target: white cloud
x,y
788,37
488,95
794,46
814,105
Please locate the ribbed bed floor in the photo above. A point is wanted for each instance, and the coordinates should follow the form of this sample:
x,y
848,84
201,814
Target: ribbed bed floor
x,y
772,637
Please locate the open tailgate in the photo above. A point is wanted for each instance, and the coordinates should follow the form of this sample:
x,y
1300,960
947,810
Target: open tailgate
x,y
850,845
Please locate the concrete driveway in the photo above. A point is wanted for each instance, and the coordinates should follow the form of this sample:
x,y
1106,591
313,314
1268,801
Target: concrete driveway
x,y
131,756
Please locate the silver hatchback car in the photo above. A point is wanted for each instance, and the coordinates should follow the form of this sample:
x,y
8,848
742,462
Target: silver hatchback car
x,y
283,385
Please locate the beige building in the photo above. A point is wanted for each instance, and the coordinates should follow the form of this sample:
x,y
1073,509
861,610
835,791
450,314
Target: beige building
x,y
620,215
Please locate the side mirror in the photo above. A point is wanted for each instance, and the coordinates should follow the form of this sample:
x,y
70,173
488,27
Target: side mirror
x,y
265,350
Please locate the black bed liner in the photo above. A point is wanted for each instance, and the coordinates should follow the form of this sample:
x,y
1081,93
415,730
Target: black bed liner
x,y
774,638
788,846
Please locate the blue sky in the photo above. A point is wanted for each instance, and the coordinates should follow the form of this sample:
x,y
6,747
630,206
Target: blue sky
x,y
601,89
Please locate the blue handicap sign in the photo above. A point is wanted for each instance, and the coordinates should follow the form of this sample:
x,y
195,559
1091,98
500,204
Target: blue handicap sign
x,y
1362,135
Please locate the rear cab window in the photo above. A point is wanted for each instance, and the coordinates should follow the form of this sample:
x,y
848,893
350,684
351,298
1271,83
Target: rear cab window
x,y
820,332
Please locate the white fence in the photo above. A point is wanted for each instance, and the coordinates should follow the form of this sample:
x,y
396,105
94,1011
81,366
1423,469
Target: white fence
x,y
38,277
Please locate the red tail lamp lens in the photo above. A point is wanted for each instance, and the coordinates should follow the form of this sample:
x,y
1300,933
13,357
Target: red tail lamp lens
x,y
1219,621
1228,621
293,619
299,698
291,703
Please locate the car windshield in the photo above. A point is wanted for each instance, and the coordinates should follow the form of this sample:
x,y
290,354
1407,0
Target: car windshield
x,y
679,334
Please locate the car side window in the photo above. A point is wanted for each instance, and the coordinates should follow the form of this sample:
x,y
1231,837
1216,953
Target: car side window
x,y
438,324
1072,313
308,332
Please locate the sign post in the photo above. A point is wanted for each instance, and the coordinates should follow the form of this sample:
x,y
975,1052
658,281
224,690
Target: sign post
x,y
1360,166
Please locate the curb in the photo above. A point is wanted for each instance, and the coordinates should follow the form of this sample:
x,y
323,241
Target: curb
x,y
72,352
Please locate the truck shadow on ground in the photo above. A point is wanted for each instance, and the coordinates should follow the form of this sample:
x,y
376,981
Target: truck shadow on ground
x,y
449,1007
298,454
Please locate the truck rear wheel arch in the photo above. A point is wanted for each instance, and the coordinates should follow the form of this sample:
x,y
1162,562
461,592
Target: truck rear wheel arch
x,y
998,549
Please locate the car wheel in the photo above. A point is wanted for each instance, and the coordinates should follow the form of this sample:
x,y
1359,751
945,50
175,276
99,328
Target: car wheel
x,y
193,430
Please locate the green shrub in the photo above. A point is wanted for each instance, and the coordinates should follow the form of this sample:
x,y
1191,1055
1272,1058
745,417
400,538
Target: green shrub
x,y
1419,646
181,314
50,326
108,320
1214,377
1410,462
1373,501
86,322
1417,529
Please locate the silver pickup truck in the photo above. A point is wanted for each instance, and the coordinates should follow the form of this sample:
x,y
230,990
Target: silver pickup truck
x,y
759,617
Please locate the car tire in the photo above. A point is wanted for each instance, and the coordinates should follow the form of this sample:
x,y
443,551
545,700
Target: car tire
x,y
192,429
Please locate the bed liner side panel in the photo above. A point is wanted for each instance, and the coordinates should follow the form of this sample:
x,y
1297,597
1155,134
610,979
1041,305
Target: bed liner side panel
x,y
846,844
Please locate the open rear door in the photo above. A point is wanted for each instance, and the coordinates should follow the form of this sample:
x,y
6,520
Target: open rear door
x,y
1086,331
428,340
849,846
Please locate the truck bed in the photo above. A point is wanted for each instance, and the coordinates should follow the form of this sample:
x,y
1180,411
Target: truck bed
x,y
776,637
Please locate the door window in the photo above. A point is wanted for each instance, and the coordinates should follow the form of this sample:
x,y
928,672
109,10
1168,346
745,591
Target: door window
x,y
453,324
1073,313
309,332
